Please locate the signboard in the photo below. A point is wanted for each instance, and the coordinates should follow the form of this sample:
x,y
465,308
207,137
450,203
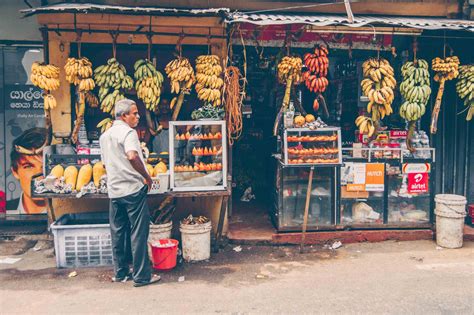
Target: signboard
x,y
398,134
408,168
375,177
363,176
418,183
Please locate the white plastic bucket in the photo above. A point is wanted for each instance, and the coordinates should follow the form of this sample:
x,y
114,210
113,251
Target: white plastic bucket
x,y
450,212
196,241
159,232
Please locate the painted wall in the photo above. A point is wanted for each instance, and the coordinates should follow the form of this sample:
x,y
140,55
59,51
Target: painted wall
x,y
13,26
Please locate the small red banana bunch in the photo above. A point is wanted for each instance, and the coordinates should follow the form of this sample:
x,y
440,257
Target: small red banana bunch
x,y
315,79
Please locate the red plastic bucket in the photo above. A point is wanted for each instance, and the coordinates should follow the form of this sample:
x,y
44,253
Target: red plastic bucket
x,y
164,253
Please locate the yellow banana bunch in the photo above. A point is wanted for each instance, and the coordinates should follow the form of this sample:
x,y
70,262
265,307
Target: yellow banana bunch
x,y
366,125
378,85
181,74
112,78
49,102
446,68
148,83
209,79
45,76
77,70
290,68
105,124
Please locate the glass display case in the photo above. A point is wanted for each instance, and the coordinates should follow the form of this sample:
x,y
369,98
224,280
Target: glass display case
x,y
409,193
304,146
362,194
198,155
291,184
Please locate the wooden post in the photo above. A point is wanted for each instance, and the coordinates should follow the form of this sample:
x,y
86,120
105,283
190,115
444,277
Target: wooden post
x,y
61,115
306,208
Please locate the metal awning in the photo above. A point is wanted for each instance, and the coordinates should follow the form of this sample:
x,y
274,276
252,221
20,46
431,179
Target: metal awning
x,y
117,9
359,20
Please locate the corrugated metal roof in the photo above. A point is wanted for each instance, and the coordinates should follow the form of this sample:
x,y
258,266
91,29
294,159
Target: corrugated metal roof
x,y
99,8
328,20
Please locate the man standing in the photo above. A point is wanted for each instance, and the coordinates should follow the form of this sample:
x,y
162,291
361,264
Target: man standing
x,y
123,159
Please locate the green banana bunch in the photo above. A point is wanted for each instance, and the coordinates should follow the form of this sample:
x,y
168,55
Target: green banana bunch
x,y
415,89
111,78
105,124
148,83
465,88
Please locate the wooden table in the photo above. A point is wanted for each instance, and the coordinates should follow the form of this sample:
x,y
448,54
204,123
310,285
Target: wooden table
x,y
177,194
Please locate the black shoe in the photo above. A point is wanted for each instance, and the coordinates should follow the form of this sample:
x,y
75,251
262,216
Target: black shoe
x,y
154,279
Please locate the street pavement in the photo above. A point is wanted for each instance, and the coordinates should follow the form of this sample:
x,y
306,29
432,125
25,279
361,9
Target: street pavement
x,y
370,278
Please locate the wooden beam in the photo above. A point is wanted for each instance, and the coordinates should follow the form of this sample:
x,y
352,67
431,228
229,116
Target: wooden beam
x,y
61,115
122,19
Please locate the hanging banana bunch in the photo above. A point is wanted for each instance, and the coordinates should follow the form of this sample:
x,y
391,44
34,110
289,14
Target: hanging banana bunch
x,y
181,75
148,83
46,77
415,89
446,69
465,88
289,73
112,79
79,73
209,79
315,78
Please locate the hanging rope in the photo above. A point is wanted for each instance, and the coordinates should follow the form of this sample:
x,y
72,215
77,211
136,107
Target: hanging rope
x,y
114,36
209,48
149,37
415,50
179,45
78,40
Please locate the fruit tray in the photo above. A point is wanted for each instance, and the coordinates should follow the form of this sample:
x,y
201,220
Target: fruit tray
x,y
206,151
198,167
189,136
312,139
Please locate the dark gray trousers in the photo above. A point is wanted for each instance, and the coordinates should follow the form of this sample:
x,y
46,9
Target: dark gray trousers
x,y
130,224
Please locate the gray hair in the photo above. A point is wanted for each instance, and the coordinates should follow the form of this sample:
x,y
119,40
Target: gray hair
x,y
123,107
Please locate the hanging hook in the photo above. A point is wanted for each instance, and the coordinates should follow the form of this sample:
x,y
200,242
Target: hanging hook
x,y
179,46
149,37
114,35
415,50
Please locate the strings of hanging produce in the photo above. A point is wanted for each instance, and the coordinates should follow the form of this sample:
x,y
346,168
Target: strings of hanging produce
x,y
465,88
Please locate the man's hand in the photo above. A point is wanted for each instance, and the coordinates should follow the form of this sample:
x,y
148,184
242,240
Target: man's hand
x,y
138,165
149,182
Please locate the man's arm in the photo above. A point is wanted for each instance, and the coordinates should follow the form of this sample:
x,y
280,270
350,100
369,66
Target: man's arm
x,y
138,165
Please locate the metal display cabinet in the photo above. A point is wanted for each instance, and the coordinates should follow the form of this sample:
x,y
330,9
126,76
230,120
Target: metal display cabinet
x,y
291,183
198,155
305,147
407,199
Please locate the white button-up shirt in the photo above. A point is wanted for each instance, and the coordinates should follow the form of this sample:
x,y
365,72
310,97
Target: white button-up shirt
x,y
122,178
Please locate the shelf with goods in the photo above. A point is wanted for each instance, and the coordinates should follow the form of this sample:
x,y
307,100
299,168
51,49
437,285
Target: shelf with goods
x,y
198,157
304,146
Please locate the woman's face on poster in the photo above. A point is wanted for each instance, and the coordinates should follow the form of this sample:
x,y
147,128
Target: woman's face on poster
x,y
28,166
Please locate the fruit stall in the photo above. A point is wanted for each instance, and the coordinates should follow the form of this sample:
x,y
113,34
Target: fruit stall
x,y
172,64
355,115
336,122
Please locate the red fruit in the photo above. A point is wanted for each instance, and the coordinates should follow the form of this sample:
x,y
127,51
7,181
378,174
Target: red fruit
x,y
315,105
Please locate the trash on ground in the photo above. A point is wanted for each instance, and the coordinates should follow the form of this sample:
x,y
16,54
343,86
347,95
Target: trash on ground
x,y
439,247
248,195
181,279
237,249
37,248
336,245
9,260
260,276
72,274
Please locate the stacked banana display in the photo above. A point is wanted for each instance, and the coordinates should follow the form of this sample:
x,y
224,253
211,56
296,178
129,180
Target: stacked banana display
x,y
181,74
366,125
111,78
148,83
465,88
79,72
46,77
415,89
446,69
378,86
209,81
289,73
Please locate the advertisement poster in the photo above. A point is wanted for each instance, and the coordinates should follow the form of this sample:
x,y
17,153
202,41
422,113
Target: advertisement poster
x,y
358,179
418,183
375,177
24,134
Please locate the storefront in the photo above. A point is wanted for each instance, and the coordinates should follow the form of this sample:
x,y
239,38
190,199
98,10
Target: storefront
x,y
306,163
